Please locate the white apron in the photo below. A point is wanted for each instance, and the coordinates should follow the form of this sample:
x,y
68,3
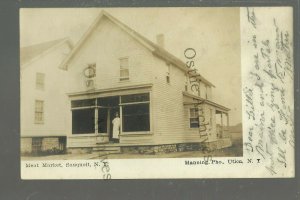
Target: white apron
x,y
116,127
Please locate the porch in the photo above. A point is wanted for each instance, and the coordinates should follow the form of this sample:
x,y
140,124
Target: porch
x,y
222,124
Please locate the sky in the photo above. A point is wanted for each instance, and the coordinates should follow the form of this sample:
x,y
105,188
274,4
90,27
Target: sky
x,y
213,32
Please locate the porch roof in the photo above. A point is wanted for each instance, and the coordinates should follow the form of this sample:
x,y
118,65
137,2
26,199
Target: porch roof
x,y
194,97
111,91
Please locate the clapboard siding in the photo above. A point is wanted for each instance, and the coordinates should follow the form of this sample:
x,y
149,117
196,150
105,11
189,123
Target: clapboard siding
x,y
168,103
53,94
137,139
85,141
171,116
106,45
211,127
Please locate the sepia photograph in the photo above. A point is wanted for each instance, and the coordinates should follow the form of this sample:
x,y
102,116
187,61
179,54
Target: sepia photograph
x,y
197,92
130,83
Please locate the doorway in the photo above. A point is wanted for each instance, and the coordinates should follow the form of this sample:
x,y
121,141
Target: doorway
x,y
112,114
109,106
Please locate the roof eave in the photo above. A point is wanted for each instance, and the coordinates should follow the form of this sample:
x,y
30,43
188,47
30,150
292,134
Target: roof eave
x,y
157,51
206,101
103,13
67,40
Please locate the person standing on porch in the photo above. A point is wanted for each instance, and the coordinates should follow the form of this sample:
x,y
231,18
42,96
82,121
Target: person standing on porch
x,y
116,127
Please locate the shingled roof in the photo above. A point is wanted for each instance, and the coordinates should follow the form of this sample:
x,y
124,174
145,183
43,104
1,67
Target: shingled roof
x,y
154,48
28,53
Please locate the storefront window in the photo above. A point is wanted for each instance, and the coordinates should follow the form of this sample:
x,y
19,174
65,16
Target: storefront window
x,y
102,120
135,98
83,121
83,103
136,118
135,112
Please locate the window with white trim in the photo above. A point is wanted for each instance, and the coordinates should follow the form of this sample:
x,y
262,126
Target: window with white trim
x,y
168,74
194,118
39,112
40,81
135,112
124,69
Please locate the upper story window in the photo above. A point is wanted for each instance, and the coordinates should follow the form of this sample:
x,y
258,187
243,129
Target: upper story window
x,y
39,112
168,74
194,118
124,69
40,81
168,78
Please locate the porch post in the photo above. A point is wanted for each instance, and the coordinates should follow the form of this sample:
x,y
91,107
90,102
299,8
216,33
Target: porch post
x,y
222,129
108,123
121,117
96,121
227,116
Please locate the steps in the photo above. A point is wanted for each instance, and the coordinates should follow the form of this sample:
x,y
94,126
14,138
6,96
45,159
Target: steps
x,y
107,149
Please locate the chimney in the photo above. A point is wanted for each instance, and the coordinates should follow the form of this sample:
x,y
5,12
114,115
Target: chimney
x,y
160,40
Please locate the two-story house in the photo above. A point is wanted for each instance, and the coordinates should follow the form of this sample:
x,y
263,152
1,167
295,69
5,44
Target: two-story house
x,y
113,69
43,97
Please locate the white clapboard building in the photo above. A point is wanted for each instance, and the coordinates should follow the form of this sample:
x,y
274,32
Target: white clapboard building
x,y
43,97
113,69
70,96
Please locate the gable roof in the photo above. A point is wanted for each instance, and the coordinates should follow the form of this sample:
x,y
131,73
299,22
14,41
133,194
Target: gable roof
x,y
29,53
154,48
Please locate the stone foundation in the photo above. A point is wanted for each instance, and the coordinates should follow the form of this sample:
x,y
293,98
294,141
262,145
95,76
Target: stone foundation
x,y
190,147
219,144
48,146
167,148
182,147
164,148
158,149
